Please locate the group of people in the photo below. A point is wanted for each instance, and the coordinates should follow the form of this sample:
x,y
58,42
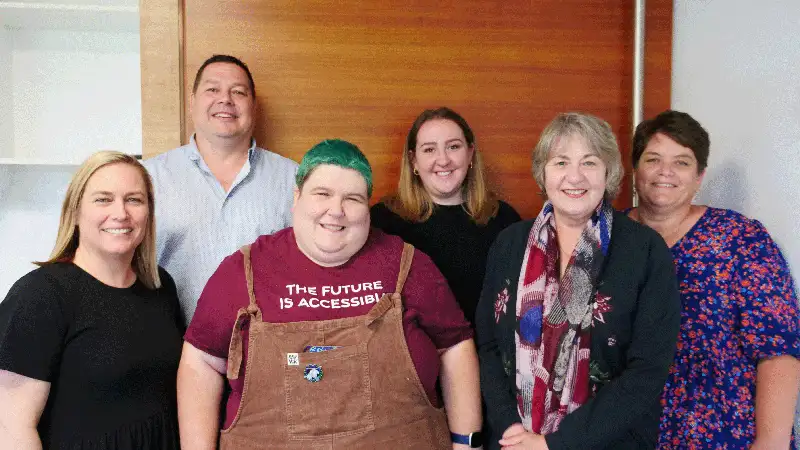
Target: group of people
x,y
222,296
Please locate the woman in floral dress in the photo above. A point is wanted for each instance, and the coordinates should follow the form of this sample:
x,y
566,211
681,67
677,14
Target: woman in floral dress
x,y
735,378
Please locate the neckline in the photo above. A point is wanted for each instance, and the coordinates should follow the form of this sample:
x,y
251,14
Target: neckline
x,y
100,283
194,151
680,240
451,208
692,229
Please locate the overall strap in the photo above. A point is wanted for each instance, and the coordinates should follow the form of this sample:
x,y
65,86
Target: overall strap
x,y
248,275
384,306
252,311
405,266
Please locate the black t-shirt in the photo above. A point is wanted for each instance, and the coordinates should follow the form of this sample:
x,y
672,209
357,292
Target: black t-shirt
x,y
110,354
456,244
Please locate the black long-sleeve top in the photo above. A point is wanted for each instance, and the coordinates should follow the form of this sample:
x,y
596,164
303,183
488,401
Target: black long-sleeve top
x,y
630,351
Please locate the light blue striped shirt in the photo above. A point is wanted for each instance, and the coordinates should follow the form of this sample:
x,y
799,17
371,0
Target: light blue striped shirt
x,y
198,223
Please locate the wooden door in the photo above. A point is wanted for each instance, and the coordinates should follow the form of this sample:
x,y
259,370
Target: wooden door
x,y
362,71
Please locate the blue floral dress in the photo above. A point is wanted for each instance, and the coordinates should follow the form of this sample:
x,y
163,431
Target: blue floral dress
x,y
739,306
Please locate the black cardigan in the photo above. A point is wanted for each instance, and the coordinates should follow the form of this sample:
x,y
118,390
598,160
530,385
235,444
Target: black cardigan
x,y
630,352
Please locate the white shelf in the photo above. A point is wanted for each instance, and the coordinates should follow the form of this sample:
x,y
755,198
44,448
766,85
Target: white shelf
x,y
36,162
73,74
34,6
44,162
75,15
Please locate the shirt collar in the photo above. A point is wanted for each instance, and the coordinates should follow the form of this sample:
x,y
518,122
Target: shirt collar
x,y
194,153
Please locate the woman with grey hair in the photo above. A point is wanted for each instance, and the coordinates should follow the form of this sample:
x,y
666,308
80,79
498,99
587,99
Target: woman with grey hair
x,y
579,313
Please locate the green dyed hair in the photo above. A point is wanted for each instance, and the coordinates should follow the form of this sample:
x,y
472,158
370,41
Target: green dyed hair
x,y
335,152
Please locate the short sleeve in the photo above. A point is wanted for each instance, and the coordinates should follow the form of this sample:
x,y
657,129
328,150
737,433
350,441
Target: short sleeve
x,y
212,324
171,292
768,312
427,295
32,341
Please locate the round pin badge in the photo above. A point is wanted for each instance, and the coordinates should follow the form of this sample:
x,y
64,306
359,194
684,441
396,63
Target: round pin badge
x,y
313,373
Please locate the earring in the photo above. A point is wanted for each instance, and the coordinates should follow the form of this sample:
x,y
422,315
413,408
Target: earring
x,y
416,172
470,164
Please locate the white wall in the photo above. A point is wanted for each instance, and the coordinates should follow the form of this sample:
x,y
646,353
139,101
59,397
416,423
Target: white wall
x,y
736,69
30,202
75,92
68,94
6,126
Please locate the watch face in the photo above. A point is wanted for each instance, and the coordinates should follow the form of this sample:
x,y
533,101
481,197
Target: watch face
x,y
476,439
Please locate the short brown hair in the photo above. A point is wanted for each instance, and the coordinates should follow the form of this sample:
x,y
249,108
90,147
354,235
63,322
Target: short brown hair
x,y
144,257
224,59
413,203
598,136
678,126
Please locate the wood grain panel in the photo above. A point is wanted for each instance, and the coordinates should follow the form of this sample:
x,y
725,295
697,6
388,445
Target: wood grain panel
x,y
162,75
362,71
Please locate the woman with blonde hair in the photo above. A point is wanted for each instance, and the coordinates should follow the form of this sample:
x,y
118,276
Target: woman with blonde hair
x,y
90,354
443,205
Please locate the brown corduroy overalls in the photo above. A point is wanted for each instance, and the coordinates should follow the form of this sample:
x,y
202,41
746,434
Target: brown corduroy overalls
x,y
369,395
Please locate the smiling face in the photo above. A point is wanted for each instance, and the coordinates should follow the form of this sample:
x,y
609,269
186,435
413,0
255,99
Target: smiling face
x,y
113,212
331,215
667,176
574,180
223,105
442,158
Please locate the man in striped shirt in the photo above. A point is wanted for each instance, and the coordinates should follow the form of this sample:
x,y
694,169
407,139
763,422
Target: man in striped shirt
x,y
220,191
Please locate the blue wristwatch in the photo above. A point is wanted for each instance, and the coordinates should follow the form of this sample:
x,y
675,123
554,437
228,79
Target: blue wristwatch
x,y
474,440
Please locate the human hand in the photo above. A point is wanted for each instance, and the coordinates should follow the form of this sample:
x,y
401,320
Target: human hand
x,y
517,438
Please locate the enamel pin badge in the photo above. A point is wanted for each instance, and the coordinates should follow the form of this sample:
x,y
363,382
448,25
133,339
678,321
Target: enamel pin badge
x,y
313,373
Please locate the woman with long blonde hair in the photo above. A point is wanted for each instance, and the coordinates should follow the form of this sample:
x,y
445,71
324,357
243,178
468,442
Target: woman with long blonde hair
x,y
443,205
90,354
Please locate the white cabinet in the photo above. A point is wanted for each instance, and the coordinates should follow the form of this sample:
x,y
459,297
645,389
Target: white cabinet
x,y
70,72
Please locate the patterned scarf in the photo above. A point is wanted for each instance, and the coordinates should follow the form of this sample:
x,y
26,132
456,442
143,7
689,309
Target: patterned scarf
x,y
555,318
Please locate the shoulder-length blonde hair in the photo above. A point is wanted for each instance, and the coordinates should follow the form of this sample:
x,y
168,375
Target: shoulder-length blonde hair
x,y
413,203
144,257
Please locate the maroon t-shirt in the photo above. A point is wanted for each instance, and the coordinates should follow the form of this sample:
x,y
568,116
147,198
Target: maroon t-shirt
x,y
289,287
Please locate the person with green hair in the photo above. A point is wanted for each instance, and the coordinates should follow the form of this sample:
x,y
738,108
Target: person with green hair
x,y
340,333
335,152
